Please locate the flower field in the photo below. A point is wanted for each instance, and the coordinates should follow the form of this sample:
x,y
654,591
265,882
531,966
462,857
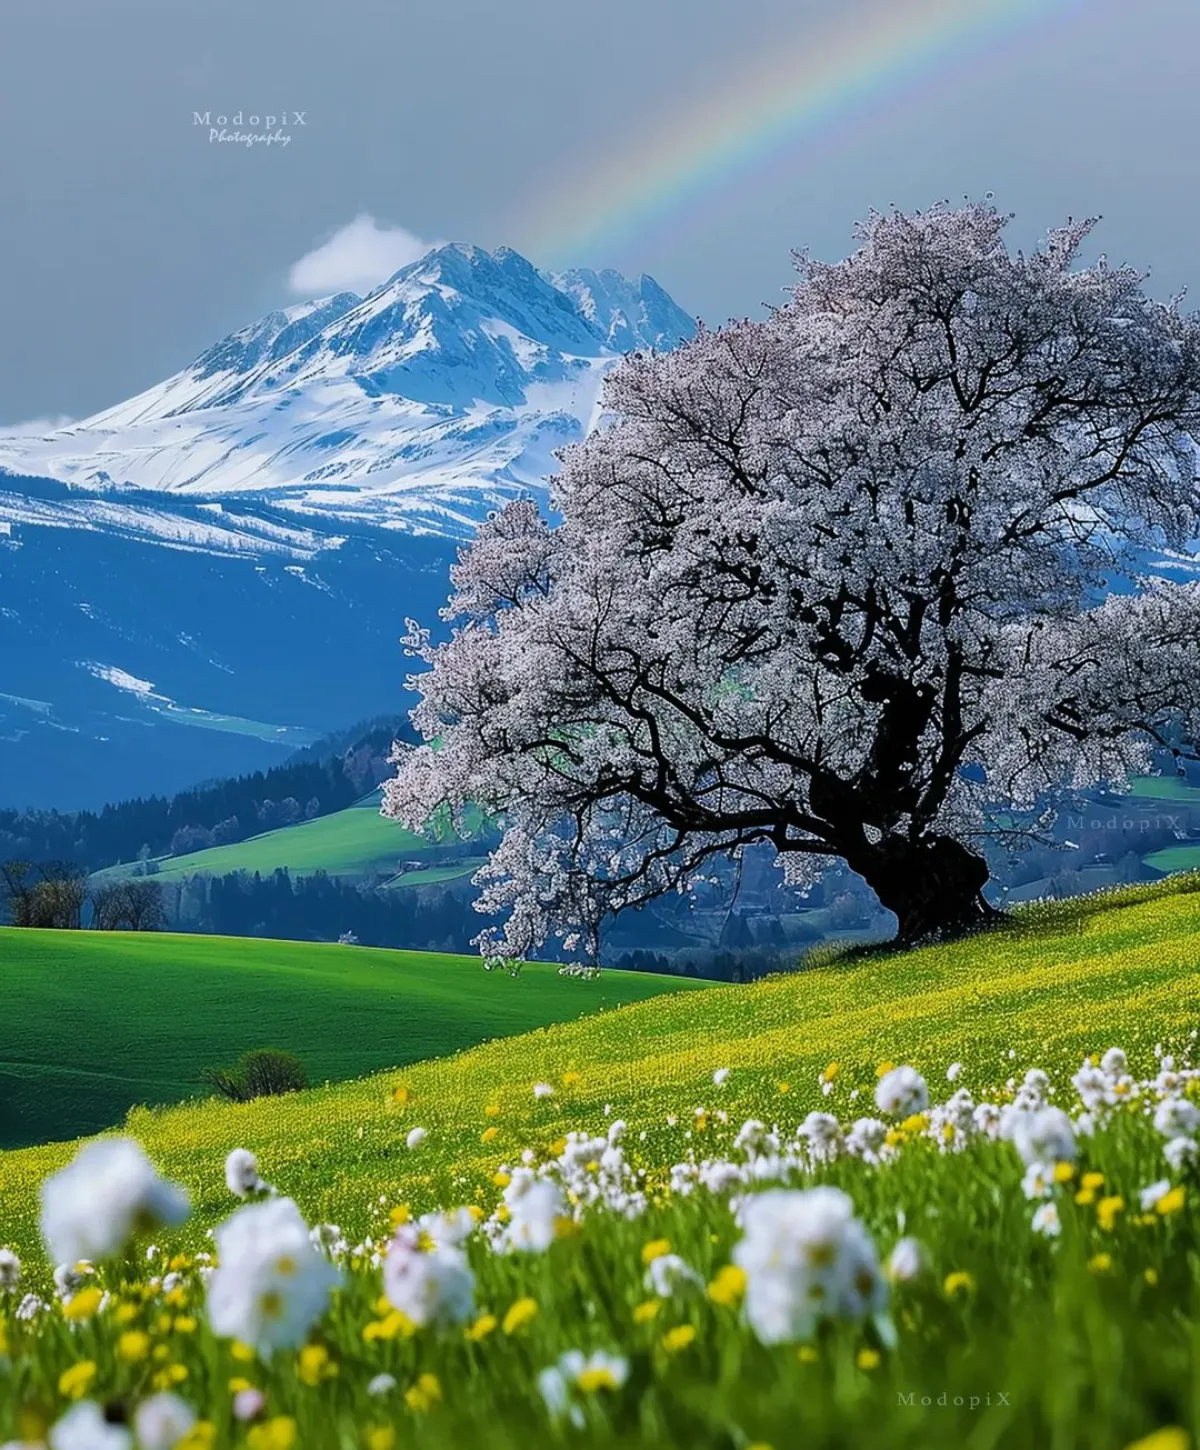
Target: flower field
x,y
945,1198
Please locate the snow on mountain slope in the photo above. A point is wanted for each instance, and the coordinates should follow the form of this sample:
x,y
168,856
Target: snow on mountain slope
x,y
438,396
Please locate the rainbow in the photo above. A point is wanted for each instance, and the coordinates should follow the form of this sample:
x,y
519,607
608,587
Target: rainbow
x,y
765,115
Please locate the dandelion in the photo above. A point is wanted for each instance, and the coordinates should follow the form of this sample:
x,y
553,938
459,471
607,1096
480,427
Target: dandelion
x,y
423,1395
84,1427
728,1285
959,1282
416,1137
1170,1438
489,1134
162,1421
542,1090
277,1434
381,1437
83,1305
868,1359
674,1341
483,1326
655,1249
133,1346
1107,1210
1171,1202
110,1191
271,1285
900,1092
75,1382
1100,1263
519,1314
313,1365
428,1287
721,1076
806,1258
646,1311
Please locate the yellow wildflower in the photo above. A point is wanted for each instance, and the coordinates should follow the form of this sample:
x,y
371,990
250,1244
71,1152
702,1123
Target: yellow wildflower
x,y
488,1134
806,1354
884,1068
868,1359
84,1304
597,1377
643,1313
519,1315
424,1394
76,1381
571,1078
728,1285
391,1325
276,1434
1107,1210
655,1249
381,1437
959,1282
492,1110
1169,1438
482,1327
1064,1172
1171,1202
678,1338
400,1215
830,1072
1100,1263
314,1365
133,1345
1092,1180
501,1180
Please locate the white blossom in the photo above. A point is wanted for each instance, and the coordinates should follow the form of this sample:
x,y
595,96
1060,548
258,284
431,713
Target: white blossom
x,y
110,1191
162,1421
270,1285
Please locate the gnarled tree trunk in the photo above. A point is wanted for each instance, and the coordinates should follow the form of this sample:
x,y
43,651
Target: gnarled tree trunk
x,y
934,886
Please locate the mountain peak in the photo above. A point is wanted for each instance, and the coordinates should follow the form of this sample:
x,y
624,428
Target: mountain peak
x,y
442,392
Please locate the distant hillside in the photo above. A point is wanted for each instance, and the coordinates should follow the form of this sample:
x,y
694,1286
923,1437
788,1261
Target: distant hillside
x,y
356,842
330,775
97,1022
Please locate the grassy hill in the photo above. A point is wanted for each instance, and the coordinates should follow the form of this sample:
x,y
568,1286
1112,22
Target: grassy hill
x,y
357,841
1004,1337
96,1022
1068,979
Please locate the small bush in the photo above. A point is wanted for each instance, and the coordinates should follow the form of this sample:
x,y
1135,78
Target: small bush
x,y
263,1073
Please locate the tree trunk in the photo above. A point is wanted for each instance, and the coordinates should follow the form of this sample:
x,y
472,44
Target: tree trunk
x,y
934,886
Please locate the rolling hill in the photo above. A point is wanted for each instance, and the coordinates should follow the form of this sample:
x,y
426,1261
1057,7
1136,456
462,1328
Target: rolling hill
x,y
98,1022
354,842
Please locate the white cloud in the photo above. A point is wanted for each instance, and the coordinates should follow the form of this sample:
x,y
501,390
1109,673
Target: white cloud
x,y
35,427
358,257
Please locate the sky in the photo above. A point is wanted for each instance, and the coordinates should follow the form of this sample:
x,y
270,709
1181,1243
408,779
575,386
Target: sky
x,y
696,140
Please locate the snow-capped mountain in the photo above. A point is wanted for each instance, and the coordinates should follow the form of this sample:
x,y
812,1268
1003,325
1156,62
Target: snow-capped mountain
x,y
423,405
197,580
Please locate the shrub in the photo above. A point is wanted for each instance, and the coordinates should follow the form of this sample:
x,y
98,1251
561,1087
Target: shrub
x,y
263,1073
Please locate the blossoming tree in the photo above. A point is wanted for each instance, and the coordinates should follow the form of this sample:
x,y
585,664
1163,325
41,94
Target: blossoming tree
x,y
840,581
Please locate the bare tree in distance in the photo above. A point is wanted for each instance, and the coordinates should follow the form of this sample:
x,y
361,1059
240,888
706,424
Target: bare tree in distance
x,y
841,581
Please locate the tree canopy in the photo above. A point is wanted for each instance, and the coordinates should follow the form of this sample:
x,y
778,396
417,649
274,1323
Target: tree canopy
x,y
840,581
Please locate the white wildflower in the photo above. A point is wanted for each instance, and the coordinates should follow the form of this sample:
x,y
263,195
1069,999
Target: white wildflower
x,y
381,1384
1177,1118
901,1092
434,1286
542,1090
162,1421
1046,1221
84,1427
906,1261
1150,1196
1180,1151
535,1207
270,1285
241,1174
10,1271
669,1273
721,1076
110,1191
1044,1136
806,1258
